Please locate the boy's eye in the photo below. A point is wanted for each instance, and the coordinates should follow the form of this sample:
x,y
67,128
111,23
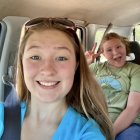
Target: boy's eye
x,y
61,58
35,58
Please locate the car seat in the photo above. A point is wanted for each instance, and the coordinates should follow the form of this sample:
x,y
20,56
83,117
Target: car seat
x,y
9,47
135,49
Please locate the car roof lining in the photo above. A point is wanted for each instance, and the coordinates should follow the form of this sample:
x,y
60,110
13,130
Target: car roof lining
x,y
119,12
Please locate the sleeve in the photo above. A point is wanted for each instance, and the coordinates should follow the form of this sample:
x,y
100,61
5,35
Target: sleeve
x,y
93,68
1,119
91,131
135,79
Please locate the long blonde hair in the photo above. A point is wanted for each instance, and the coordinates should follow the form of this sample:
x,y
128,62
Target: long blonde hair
x,y
85,95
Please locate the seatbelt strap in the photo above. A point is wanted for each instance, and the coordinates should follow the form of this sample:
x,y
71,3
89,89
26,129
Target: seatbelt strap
x,y
106,31
134,34
12,115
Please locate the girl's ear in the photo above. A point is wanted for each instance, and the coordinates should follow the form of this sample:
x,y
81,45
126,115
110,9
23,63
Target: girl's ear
x,y
77,64
102,51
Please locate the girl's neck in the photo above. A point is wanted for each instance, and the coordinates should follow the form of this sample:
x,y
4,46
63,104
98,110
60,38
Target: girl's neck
x,y
51,112
114,67
42,120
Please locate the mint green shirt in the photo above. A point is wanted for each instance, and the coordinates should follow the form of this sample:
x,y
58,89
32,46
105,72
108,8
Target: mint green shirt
x,y
117,83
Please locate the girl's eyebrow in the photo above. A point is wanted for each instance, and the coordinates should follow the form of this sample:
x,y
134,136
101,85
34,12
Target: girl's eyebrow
x,y
63,48
33,47
57,48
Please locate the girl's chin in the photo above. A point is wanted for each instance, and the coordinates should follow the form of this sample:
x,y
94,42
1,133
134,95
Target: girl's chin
x,y
118,65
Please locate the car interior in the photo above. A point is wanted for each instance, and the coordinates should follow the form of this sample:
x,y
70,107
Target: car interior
x,y
91,18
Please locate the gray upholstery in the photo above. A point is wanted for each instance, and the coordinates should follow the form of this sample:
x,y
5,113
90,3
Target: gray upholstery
x,y
3,30
10,46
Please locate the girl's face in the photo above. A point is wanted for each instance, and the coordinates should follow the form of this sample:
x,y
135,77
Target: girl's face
x,y
49,65
115,52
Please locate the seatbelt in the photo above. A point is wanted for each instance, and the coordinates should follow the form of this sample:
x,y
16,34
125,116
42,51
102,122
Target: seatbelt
x,y
134,34
12,115
106,31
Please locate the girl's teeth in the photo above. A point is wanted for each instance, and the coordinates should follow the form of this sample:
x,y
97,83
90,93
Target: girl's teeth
x,y
47,83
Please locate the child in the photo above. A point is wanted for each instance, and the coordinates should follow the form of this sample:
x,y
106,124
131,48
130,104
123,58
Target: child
x,y
120,82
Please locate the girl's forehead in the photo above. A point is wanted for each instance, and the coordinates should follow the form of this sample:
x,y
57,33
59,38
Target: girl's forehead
x,y
112,42
48,34
49,38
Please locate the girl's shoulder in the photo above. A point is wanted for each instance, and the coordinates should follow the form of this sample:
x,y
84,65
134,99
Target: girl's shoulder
x,y
132,65
97,66
84,127
132,68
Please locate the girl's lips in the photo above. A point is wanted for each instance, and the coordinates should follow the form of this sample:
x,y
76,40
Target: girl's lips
x,y
117,58
48,84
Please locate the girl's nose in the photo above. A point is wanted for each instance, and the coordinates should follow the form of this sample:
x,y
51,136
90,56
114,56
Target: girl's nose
x,y
48,68
115,51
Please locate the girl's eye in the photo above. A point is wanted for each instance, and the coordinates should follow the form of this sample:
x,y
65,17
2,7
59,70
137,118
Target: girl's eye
x,y
61,58
35,58
118,47
109,50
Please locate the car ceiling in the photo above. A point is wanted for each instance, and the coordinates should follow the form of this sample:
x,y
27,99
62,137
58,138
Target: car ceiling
x,y
119,12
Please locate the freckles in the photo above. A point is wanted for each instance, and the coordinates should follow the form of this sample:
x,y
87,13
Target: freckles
x,y
29,68
63,70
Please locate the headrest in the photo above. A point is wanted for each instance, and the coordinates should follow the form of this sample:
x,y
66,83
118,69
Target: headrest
x,y
9,48
135,49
